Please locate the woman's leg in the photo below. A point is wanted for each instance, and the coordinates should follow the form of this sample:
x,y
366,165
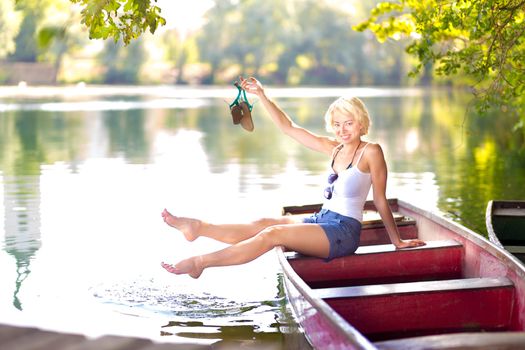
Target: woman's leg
x,y
309,239
227,233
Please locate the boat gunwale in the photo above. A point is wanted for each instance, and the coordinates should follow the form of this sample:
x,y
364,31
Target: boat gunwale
x,y
407,288
488,223
475,238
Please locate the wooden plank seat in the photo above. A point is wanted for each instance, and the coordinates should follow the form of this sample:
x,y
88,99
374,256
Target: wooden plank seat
x,y
434,261
519,212
422,308
312,208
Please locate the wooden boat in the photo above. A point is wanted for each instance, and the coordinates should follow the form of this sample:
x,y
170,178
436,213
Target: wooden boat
x,y
458,291
505,221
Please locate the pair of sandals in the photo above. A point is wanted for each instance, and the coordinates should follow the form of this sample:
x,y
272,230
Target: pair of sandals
x,y
241,110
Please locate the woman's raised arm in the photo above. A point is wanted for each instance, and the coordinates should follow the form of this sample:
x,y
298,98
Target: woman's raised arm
x,y
305,137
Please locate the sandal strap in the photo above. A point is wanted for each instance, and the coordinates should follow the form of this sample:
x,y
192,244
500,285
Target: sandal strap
x,y
243,98
246,100
236,101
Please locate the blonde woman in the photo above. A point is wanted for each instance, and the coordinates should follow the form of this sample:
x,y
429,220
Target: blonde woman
x,y
355,166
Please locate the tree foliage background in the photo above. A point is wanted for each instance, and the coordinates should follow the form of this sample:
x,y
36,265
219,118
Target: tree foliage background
x,y
483,41
292,42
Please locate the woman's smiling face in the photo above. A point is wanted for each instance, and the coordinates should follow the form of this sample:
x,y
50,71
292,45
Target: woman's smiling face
x,y
346,128
347,108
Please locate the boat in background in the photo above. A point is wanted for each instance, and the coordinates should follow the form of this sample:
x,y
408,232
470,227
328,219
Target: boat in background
x,y
505,220
458,291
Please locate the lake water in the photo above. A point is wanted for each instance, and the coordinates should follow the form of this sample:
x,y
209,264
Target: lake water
x,y
86,171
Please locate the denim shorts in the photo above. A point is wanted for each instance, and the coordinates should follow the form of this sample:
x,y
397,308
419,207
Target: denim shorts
x,y
343,232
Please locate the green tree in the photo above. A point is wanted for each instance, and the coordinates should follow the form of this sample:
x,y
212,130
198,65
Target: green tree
x,y
59,34
33,14
122,64
26,49
328,48
9,27
480,40
248,35
215,37
180,48
259,41
293,42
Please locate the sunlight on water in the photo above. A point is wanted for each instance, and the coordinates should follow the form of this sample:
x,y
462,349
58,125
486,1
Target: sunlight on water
x,y
420,188
198,92
178,103
104,239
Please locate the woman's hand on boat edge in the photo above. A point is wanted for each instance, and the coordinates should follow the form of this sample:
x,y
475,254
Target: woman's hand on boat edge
x,y
412,243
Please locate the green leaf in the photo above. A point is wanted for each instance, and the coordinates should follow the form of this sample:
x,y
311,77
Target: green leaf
x,y
120,19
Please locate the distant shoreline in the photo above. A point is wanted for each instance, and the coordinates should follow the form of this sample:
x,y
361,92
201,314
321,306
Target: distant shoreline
x,y
191,91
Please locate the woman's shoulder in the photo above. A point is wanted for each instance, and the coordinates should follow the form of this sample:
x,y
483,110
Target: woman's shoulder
x,y
373,147
373,151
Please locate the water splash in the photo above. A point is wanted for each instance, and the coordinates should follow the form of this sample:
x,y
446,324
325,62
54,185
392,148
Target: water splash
x,y
150,298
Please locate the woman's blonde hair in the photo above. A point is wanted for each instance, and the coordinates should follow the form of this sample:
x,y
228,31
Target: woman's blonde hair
x,y
352,106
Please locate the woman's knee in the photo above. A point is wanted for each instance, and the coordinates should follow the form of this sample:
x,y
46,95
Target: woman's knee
x,y
272,236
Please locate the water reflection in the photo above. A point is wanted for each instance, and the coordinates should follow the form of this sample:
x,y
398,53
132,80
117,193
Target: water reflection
x,y
21,196
86,180
232,337
22,226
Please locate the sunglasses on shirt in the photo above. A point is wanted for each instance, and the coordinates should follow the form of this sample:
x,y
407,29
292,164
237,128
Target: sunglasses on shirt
x,y
330,189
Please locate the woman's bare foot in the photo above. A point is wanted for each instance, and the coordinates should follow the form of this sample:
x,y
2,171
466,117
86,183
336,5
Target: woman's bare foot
x,y
189,227
191,266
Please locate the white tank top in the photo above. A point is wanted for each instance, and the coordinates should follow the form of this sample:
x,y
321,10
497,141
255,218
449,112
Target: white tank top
x,y
350,191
